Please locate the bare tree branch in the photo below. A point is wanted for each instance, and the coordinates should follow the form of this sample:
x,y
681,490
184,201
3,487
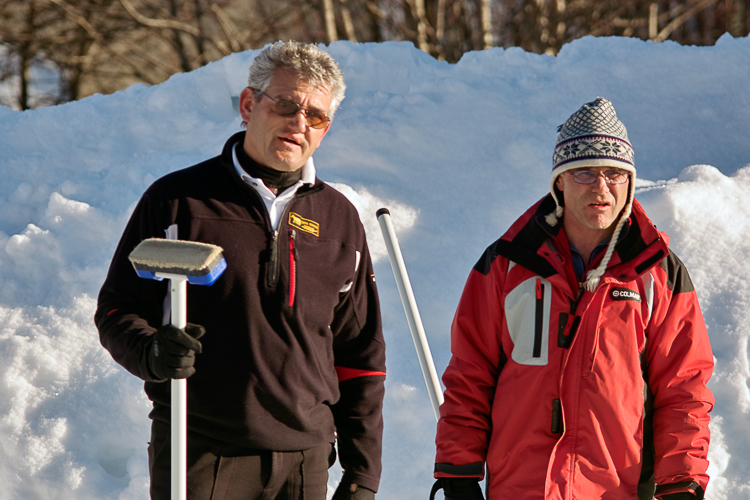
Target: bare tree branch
x,y
80,20
159,23
680,20
230,29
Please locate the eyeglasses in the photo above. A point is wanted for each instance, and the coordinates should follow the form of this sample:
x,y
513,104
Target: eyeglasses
x,y
287,108
590,176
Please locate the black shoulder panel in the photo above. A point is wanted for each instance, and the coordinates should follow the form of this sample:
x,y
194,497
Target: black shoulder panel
x,y
484,263
525,257
522,249
678,278
632,245
516,253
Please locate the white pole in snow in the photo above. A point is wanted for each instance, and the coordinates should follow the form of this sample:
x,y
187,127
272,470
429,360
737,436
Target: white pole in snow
x,y
412,313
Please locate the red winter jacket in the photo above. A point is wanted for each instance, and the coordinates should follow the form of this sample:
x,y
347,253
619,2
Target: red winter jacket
x,y
577,395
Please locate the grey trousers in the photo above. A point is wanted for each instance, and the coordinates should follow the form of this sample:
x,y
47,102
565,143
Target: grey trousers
x,y
222,471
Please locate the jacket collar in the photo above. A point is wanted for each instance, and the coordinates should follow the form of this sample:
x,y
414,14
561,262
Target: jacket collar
x,y
527,243
309,178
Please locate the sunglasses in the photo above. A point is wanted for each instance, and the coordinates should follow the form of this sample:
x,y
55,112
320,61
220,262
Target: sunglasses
x,y
287,108
590,176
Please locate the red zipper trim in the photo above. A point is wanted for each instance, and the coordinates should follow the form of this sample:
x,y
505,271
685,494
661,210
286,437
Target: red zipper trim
x,y
292,267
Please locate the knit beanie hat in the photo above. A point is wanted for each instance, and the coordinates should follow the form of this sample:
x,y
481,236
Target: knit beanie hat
x,y
593,137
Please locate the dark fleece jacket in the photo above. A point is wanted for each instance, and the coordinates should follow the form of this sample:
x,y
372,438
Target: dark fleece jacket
x,y
294,347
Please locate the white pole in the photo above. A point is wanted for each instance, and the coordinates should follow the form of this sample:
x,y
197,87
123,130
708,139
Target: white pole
x,y
178,303
412,313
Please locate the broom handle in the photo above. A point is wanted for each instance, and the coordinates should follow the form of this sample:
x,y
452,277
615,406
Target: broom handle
x,y
178,302
412,313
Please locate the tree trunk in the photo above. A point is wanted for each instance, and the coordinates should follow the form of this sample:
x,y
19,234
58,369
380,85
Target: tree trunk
x,y
653,20
330,20
346,16
486,14
421,18
25,59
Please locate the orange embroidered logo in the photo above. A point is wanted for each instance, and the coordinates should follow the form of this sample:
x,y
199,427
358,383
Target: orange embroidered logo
x,y
304,225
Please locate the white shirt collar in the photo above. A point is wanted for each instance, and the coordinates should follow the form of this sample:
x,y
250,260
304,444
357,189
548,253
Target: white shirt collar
x,y
275,205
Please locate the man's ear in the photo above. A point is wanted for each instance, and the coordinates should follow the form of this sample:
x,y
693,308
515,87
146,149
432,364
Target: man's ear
x,y
328,127
247,101
559,190
559,183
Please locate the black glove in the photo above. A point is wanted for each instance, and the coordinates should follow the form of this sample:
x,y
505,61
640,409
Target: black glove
x,y
172,351
458,488
680,496
344,492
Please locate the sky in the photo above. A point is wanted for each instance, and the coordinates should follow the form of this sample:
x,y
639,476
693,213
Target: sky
x,y
455,152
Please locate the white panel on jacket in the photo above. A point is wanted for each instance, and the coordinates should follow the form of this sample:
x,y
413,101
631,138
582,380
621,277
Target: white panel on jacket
x,y
527,310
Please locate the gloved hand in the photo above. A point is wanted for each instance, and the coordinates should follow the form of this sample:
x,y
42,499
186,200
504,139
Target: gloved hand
x,y
458,488
680,496
344,492
172,351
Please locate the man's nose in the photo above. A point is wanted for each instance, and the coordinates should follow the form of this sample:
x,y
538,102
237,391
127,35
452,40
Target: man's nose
x,y
600,184
298,121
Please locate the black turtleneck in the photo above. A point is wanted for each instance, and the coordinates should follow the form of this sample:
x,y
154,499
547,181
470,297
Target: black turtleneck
x,y
275,180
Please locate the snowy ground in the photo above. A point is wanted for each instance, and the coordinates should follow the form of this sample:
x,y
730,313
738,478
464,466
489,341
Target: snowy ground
x,y
456,152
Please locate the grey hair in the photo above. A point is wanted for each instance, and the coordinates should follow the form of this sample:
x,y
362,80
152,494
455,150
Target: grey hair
x,y
311,64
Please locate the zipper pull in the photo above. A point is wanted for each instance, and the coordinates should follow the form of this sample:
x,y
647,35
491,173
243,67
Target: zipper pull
x,y
293,236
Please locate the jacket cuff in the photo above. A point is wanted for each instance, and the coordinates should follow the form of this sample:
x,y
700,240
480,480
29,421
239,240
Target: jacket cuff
x,y
361,480
685,487
475,469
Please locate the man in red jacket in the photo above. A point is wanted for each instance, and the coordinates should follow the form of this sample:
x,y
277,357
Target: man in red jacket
x,y
580,356
293,356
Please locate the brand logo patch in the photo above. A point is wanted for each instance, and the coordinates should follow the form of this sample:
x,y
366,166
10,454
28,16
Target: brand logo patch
x,y
305,225
625,294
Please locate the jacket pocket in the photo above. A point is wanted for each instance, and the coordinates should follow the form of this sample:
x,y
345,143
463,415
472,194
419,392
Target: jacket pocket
x,y
527,310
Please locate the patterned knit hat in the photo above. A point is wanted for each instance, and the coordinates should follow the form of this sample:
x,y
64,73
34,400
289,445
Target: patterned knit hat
x,y
593,137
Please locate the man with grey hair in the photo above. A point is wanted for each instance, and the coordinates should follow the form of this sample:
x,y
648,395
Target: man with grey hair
x,y
293,358
580,356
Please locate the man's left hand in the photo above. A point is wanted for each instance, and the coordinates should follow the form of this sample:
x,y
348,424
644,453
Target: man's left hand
x,y
680,496
353,492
